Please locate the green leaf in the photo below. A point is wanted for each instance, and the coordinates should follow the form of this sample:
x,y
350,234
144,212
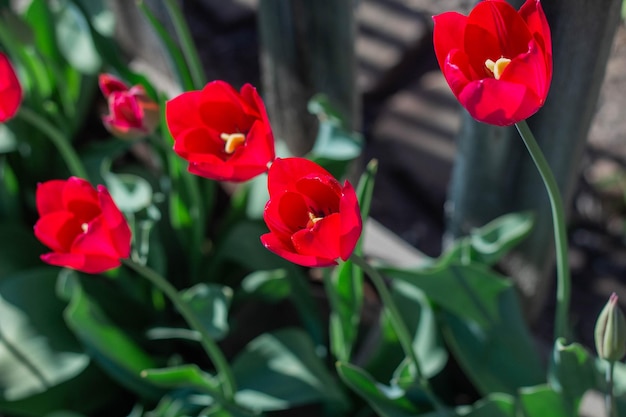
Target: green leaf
x,y
488,244
117,353
130,192
36,346
8,142
422,323
469,291
542,401
494,405
184,376
572,373
210,302
74,38
272,285
36,350
335,143
345,292
281,370
386,401
499,356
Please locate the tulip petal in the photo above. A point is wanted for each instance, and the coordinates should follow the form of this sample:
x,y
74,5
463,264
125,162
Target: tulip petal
x,y
285,172
448,33
10,90
530,69
499,102
115,222
47,196
351,222
494,30
109,84
91,264
532,13
321,240
95,241
57,230
181,112
274,245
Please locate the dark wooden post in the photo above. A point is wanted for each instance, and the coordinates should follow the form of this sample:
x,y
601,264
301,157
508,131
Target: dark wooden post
x,y
494,175
307,47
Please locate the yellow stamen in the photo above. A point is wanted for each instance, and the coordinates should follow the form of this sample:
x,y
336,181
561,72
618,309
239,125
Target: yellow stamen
x,y
497,67
312,220
85,227
233,141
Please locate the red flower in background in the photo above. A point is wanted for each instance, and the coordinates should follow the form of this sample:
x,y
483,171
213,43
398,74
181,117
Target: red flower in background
x,y
10,90
497,61
132,114
225,135
83,227
313,219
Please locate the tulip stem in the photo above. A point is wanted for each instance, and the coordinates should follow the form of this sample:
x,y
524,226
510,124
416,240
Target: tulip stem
x,y
560,232
400,328
69,155
609,397
211,348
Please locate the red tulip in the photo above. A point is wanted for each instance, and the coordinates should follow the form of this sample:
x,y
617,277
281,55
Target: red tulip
x,y
225,135
83,227
10,90
497,61
132,114
313,220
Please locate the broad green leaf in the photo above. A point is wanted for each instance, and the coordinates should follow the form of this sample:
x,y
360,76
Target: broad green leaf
x,y
210,302
117,353
572,373
44,368
422,323
36,349
334,143
272,285
8,142
494,405
498,356
74,38
385,400
469,291
490,242
542,401
130,192
282,370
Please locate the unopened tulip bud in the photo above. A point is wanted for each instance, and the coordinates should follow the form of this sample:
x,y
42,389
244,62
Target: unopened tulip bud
x,y
610,332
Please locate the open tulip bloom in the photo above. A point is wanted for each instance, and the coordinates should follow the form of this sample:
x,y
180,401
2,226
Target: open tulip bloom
x,y
225,135
82,226
10,90
313,219
497,60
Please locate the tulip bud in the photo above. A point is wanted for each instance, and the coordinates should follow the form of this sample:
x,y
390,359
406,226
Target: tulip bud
x,y
132,114
610,331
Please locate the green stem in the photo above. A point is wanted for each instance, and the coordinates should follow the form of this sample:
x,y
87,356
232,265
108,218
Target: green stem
x,y
609,397
399,326
65,148
186,43
212,349
560,232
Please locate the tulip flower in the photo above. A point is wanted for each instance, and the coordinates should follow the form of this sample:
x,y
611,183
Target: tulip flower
x,y
497,60
10,90
313,219
81,225
132,114
223,134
